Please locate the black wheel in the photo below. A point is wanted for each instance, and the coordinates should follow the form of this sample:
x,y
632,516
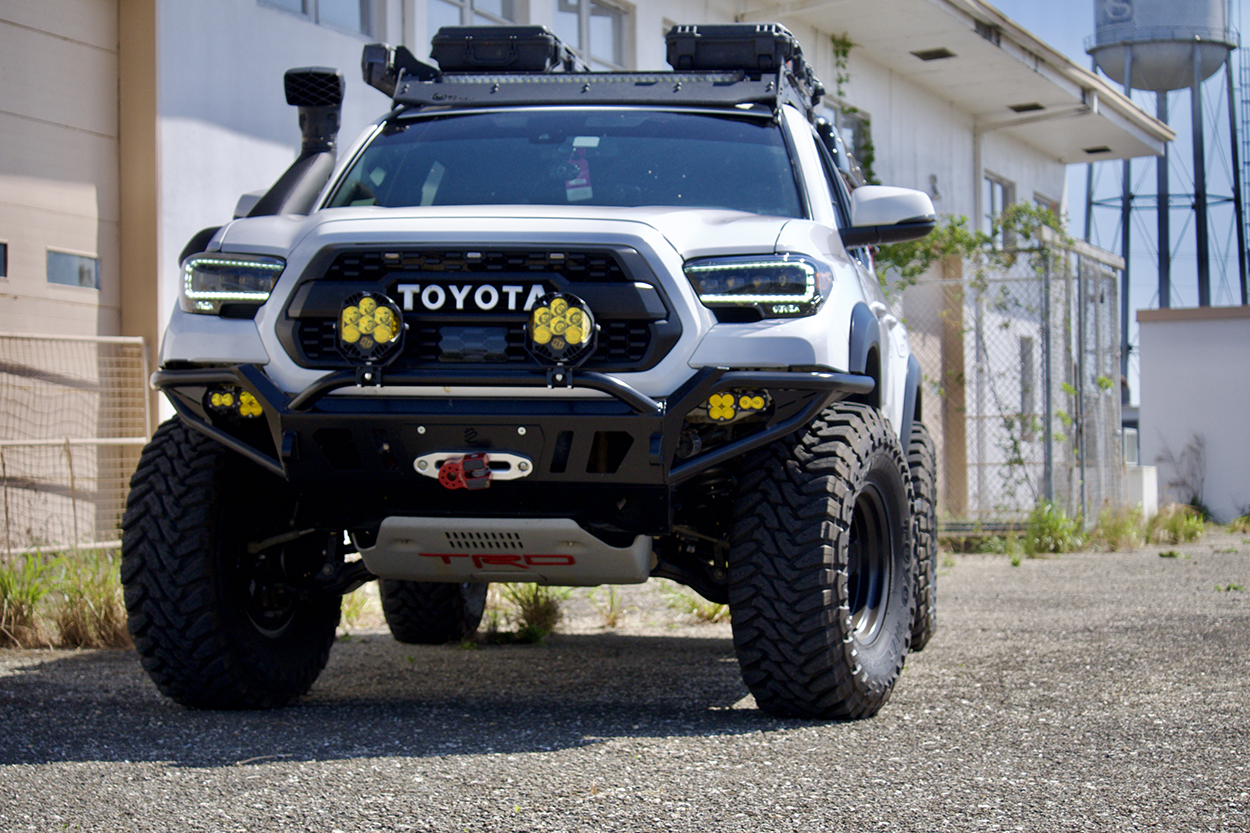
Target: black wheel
x,y
821,584
432,613
921,466
215,625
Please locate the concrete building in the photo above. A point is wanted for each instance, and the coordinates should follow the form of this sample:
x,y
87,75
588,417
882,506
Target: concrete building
x,y
1193,412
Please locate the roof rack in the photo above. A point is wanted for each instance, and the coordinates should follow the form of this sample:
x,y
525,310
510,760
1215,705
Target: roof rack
x,y
720,65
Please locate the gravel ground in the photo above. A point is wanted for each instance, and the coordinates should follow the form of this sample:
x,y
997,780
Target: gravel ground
x,y
1088,692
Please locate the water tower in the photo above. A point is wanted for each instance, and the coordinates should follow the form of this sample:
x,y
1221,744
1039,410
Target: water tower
x,y
1164,45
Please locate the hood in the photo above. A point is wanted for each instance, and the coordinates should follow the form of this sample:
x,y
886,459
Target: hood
x,y
692,232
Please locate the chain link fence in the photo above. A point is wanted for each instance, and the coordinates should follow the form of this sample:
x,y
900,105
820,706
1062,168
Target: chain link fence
x,y
1022,382
74,416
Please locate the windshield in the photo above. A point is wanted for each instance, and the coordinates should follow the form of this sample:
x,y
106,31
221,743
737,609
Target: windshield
x,y
577,157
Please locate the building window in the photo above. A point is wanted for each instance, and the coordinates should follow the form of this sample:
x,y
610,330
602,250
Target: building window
x,y
999,193
595,29
440,13
73,270
4,260
854,128
1046,203
352,15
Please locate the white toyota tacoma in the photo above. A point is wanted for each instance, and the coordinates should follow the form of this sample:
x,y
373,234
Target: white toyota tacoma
x,y
541,324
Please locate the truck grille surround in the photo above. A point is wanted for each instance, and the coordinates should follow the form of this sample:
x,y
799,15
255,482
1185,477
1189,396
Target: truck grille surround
x,y
637,325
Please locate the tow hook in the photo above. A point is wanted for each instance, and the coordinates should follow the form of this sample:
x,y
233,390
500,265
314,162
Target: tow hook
x,y
472,471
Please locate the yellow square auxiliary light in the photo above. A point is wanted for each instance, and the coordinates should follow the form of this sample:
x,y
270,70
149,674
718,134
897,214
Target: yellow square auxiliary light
x,y
733,404
371,328
231,400
561,329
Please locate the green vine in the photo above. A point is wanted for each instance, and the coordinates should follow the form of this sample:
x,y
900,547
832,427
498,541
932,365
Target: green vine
x,y
900,265
841,62
1021,223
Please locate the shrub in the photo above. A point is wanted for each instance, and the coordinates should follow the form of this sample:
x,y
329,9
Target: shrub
x,y
1175,524
535,609
90,612
1008,544
1119,529
1050,530
23,585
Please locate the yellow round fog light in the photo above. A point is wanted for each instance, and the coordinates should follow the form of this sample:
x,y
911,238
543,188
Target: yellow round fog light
x,y
370,328
561,330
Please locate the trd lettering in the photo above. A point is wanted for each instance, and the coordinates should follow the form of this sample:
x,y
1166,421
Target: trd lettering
x,y
522,562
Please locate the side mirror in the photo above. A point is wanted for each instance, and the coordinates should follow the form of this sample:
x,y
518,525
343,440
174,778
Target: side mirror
x,y
883,214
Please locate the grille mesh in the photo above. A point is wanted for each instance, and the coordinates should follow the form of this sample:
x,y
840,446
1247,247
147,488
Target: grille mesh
x,y
573,266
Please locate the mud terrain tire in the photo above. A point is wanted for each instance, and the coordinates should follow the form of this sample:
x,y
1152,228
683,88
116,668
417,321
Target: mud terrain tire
x,y
822,584
212,623
921,465
432,613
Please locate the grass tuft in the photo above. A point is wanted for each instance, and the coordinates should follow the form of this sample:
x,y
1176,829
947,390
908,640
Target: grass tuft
x,y
24,582
689,602
90,612
534,609
1241,524
1175,524
608,604
1119,529
1050,531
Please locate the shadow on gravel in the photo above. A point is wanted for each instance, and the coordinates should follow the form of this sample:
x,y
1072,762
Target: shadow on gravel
x,y
379,698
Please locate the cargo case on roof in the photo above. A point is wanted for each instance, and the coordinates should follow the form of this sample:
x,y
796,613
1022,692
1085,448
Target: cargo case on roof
x,y
754,47
500,48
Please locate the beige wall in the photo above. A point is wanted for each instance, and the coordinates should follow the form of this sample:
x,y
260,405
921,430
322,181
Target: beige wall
x,y
59,183
1193,362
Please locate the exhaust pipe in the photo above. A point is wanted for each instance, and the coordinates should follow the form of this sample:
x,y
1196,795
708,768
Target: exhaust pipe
x,y
318,93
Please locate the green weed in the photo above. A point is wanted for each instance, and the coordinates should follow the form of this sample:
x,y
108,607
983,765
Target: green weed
x,y
609,605
24,582
1169,554
687,601
90,611
354,605
1227,588
1008,544
533,608
1050,530
1175,524
1241,524
1119,529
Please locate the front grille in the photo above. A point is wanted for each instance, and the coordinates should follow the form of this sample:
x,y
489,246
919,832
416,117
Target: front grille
x,y
629,339
571,265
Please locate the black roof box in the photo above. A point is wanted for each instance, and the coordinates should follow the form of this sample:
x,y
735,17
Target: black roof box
x,y
753,47
501,49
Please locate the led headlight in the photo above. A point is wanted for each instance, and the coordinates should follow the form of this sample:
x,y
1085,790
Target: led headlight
x,y
370,328
779,286
212,280
561,329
